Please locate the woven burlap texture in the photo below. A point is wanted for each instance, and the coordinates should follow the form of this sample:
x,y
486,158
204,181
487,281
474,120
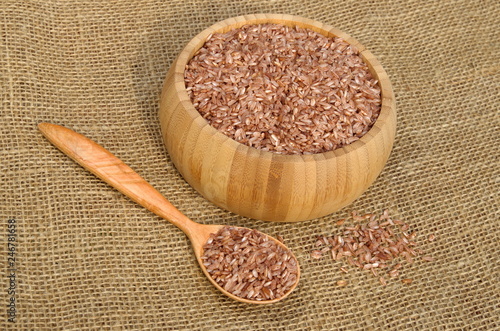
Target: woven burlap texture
x,y
87,258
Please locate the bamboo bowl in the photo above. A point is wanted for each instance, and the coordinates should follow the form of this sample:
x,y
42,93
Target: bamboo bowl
x,y
265,185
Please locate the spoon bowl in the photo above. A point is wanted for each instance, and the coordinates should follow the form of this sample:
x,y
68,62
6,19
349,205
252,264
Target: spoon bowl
x,y
113,171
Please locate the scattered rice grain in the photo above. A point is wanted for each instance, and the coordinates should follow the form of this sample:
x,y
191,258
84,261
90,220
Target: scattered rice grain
x,y
374,246
341,283
340,222
316,254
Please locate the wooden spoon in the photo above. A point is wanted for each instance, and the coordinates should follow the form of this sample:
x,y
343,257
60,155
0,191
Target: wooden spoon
x,y
113,171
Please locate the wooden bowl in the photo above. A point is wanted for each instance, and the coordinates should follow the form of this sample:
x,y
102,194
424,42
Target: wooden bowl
x,y
265,185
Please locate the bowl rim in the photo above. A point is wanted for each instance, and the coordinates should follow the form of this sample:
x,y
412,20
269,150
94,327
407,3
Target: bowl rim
x,y
387,111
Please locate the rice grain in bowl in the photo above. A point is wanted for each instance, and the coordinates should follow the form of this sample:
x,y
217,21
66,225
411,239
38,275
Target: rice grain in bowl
x,y
267,161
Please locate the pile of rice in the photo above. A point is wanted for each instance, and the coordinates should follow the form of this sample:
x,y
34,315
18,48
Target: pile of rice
x,y
283,89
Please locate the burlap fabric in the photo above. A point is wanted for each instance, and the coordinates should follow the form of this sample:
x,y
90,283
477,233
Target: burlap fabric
x,y
88,258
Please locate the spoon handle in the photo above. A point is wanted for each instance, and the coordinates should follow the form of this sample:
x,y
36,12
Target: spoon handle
x,y
113,171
